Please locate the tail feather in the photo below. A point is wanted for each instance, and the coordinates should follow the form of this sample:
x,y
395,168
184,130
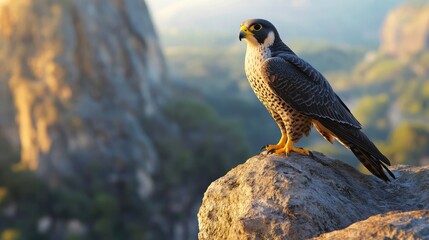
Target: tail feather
x,y
372,164
361,146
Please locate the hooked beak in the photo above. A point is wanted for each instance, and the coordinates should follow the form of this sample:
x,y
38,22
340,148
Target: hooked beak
x,y
244,32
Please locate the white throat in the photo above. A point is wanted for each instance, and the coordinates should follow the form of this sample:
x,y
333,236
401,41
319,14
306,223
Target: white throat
x,y
257,53
255,56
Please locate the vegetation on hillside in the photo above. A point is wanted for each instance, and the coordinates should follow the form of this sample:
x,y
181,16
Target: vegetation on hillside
x,y
204,147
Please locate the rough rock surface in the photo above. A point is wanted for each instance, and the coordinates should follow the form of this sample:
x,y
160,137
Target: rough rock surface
x,y
299,197
391,225
78,78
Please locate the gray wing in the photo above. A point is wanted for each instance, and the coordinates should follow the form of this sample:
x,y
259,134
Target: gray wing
x,y
305,89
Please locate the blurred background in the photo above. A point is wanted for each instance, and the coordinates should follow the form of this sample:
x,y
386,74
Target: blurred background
x,y
116,115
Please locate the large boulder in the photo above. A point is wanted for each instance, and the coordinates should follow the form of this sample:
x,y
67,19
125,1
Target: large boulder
x,y
300,197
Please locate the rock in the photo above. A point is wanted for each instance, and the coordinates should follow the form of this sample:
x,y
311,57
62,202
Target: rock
x,y
405,31
392,225
299,197
78,80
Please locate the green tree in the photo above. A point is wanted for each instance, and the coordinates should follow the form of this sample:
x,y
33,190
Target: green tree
x,y
408,143
372,112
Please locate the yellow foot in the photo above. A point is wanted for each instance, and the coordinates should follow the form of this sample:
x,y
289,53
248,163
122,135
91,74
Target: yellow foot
x,y
290,148
294,149
281,144
273,147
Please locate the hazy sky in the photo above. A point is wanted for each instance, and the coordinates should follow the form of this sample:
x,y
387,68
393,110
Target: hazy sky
x,y
220,14
340,20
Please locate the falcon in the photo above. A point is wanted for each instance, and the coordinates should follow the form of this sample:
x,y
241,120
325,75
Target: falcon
x,y
298,97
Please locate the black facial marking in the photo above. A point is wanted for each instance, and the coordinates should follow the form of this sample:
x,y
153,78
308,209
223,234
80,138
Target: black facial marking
x,y
261,29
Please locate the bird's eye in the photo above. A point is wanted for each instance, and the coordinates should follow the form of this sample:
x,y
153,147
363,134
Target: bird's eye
x,y
256,27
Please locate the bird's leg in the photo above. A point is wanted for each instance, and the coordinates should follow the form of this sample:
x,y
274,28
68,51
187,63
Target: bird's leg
x,y
290,148
279,145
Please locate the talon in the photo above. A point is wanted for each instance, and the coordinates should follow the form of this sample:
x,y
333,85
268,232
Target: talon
x,y
304,151
279,145
273,147
285,145
280,151
300,150
264,147
290,148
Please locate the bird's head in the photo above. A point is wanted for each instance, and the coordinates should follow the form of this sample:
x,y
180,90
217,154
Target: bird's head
x,y
259,32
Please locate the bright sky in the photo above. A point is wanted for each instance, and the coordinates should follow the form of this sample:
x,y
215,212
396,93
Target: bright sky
x,y
325,19
191,14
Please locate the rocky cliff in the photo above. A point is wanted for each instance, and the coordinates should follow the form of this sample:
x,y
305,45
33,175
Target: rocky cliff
x,y
79,78
300,197
406,30
108,148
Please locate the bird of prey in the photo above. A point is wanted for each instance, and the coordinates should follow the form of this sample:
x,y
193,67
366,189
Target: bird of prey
x,y
298,97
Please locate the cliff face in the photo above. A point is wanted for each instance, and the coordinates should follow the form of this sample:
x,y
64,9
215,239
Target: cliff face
x,y
80,76
406,30
299,197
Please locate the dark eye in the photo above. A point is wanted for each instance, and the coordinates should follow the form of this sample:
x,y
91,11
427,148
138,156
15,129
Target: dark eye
x,y
257,27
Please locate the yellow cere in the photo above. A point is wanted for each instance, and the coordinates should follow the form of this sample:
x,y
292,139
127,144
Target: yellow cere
x,y
246,30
